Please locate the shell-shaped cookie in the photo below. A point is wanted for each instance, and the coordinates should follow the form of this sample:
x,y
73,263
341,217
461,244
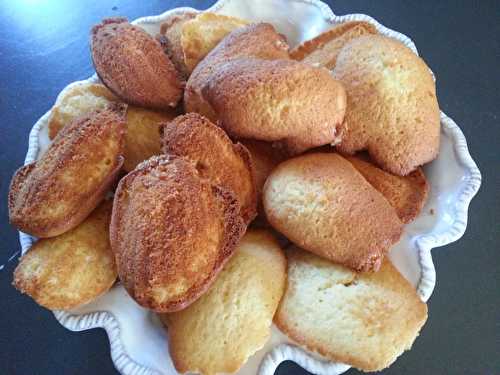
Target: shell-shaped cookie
x,y
256,40
407,194
143,134
324,49
78,100
171,232
201,34
285,101
365,319
324,205
72,269
170,38
220,331
57,192
143,125
265,158
133,65
392,109
215,155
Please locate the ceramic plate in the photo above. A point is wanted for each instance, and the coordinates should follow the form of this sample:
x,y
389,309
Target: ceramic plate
x,y
138,342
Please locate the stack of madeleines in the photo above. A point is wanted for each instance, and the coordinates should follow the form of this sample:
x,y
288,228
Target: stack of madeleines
x,y
208,130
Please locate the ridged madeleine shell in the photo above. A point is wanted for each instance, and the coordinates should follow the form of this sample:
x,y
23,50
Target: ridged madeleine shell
x,y
133,65
57,192
171,232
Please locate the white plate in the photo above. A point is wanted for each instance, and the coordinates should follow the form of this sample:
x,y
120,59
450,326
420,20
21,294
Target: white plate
x,y
138,342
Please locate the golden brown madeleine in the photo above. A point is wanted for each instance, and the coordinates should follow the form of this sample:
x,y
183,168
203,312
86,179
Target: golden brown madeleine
x,y
365,320
265,158
75,101
407,194
220,331
57,192
285,101
133,65
324,49
256,40
392,109
216,157
72,269
143,125
324,205
170,37
171,232
202,33
143,134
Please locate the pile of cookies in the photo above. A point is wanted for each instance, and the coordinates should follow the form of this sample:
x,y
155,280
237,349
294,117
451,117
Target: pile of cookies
x,y
221,147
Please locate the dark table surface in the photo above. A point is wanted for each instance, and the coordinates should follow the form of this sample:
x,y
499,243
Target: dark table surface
x,y
44,46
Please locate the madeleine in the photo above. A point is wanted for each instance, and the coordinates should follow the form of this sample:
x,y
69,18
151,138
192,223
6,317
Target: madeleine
x,y
171,232
57,192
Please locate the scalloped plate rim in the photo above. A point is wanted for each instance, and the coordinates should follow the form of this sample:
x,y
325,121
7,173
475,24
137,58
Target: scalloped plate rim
x,y
424,244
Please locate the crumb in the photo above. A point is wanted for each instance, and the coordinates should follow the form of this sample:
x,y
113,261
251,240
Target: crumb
x,y
431,211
